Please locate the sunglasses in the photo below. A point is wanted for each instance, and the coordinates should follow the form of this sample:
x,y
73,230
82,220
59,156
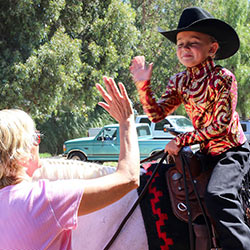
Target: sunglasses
x,y
37,138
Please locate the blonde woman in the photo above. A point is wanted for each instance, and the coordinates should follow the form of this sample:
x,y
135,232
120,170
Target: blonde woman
x,y
41,215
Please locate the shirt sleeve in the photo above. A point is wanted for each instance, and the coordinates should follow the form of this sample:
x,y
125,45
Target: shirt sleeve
x,y
64,197
158,110
219,121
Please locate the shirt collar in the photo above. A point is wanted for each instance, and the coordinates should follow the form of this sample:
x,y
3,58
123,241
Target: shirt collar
x,y
199,71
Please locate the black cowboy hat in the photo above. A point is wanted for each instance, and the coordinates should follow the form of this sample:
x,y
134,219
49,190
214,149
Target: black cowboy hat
x,y
197,19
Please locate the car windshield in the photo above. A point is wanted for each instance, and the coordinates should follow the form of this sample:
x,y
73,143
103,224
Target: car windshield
x,y
182,122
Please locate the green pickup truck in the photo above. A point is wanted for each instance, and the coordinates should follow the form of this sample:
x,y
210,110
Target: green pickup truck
x,y
105,146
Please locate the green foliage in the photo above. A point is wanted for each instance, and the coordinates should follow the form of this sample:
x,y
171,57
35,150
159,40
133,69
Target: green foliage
x,y
57,129
237,14
53,52
68,125
107,45
42,82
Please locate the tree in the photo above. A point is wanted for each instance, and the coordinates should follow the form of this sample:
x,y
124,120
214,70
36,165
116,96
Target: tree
x,y
37,68
237,14
53,52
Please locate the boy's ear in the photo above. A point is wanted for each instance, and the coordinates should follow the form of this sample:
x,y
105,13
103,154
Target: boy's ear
x,y
214,48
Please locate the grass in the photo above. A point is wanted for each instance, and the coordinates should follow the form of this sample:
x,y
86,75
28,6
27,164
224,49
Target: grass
x,y
110,163
45,155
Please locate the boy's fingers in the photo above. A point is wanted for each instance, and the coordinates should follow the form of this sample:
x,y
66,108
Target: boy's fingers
x,y
138,61
151,66
142,61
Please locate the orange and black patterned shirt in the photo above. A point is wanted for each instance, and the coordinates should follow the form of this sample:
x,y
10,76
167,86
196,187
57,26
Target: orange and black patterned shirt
x,y
209,94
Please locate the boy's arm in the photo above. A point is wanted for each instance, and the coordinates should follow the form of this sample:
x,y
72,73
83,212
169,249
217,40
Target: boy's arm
x,y
158,110
155,110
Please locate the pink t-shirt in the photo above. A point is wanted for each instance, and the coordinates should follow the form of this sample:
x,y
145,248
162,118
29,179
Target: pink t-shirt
x,y
39,215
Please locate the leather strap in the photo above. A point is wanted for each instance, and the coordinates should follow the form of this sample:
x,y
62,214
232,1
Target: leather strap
x,y
190,229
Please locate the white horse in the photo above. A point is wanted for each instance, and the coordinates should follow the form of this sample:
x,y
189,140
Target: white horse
x,y
96,229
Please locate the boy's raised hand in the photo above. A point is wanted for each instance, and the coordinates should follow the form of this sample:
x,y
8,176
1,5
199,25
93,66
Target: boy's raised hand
x,y
139,70
117,102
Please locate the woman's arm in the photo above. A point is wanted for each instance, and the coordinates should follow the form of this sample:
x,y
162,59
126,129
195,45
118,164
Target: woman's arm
x,y
105,190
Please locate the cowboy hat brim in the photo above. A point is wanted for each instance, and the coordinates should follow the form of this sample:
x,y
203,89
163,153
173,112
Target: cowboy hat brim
x,y
224,34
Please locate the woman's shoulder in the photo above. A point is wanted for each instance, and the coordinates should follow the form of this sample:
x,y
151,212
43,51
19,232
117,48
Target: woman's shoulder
x,y
26,188
37,192
25,194
24,185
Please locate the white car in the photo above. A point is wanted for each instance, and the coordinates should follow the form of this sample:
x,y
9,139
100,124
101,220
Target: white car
x,y
179,123
245,124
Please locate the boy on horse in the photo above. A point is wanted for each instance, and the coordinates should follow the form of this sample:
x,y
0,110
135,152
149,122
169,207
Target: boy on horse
x,y
209,94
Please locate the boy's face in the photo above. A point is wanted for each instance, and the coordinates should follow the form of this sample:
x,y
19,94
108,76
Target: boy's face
x,y
194,47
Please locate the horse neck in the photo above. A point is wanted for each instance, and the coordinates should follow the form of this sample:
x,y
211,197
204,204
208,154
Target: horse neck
x,y
57,169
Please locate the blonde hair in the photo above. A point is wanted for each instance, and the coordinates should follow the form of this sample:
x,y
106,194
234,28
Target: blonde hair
x,y
17,130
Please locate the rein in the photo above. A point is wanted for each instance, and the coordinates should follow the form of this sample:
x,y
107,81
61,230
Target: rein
x,y
139,197
191,235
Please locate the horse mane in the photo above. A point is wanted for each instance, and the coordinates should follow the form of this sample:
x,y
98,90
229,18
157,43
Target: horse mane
x,y
60,169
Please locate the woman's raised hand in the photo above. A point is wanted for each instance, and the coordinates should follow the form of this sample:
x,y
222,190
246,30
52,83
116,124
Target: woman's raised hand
x,y
117,102
139,70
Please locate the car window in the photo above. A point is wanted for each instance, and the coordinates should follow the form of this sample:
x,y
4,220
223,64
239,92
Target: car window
x,y
181,122
145,120
244,127
160,125
143,131
108,134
